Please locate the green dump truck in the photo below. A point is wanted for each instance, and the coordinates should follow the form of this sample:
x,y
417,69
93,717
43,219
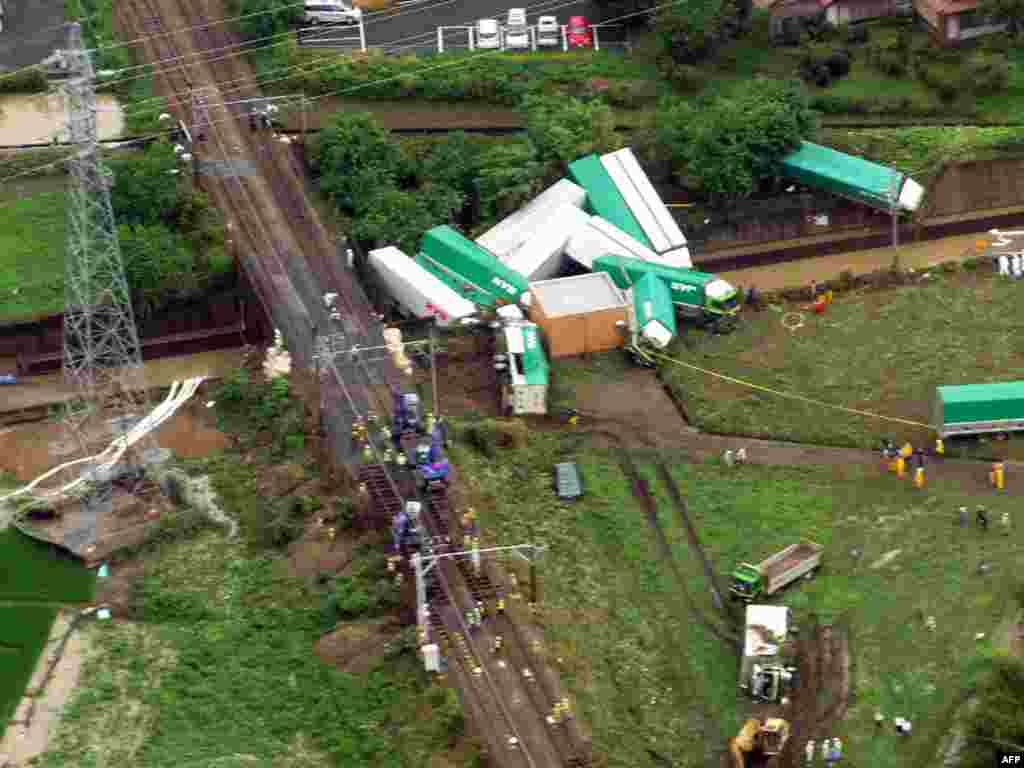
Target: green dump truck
x,y
700,296
749,582
978,409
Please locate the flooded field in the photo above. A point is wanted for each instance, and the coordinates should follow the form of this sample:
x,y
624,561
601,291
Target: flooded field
x,y
35,118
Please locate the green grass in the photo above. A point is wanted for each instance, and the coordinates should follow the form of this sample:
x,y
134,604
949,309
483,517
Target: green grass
x,y
221,669
621,621
32,256
30,571
26,629
922,152
881,352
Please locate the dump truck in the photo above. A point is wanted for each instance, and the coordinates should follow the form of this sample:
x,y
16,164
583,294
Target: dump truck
x,y
749,582
764,671
699,296
765,737
978,409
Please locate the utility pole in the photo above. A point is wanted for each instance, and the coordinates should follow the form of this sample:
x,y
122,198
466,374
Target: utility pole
x,y
894,212
102,357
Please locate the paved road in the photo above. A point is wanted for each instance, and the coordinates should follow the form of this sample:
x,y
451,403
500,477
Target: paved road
x,y
31,31
414,24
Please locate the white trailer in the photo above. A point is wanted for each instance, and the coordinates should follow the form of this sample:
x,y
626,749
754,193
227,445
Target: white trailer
x,y
599,238
766,631
540,257
416,290
627,246
644,202
512,231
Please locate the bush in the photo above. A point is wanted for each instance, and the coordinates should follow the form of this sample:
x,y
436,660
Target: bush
x,y
683,77
985,73
820,64
941,78
855,34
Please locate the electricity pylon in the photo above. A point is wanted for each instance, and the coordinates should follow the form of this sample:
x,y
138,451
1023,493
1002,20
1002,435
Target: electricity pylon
x,y
102,358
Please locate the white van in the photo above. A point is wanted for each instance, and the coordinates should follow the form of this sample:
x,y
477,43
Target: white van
x,y
549,32
331,12
517,34
488,34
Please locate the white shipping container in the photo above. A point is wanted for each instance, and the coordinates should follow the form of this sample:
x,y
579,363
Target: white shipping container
x,y
416,290
509,233
666,221
680,257
596,239
540,257
638,206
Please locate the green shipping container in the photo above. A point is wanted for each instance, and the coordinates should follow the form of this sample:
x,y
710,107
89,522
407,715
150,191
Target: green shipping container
x,y
979,408
535,363
652,300
842,174
469,269
604,198
692,292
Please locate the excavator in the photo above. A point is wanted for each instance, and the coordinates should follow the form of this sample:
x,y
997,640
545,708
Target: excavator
x,y
758,741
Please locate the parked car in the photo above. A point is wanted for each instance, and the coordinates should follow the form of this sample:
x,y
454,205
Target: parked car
x,y
517,33
488,34
579,34
549,32
331,12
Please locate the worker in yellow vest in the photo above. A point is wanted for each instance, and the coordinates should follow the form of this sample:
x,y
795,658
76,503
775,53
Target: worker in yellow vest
x,y
940,448
919,469
900,466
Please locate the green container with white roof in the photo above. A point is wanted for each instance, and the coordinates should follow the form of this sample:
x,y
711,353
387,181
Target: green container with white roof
x,y
528,369
697,295
977,409
469,269
604,198
653,310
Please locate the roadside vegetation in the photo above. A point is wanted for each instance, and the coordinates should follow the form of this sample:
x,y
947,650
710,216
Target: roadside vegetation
x,y
468,181
881,351
645,675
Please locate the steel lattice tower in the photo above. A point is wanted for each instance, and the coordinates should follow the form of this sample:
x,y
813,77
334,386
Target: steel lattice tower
x,y
102,358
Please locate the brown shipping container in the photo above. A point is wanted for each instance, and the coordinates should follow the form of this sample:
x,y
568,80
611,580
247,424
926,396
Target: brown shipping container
x,y
578,314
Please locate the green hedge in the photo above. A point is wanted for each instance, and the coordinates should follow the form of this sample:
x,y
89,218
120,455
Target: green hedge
x,y
459,76
26,629
24,81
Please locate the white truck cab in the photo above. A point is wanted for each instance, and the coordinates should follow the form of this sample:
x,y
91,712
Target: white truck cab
x,y
517,33
331,12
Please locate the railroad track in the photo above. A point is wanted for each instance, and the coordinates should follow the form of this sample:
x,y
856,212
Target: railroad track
x,y
460,587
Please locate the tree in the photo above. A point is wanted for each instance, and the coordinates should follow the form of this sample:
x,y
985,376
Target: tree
x,y
727,145
144,190
997,724
690,33
158,264
355,156
563,129
263,18
400,218
453,163
508,175
1009,12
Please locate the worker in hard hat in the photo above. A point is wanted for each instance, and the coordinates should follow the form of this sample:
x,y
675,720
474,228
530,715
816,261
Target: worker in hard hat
x,y
499,606
497,645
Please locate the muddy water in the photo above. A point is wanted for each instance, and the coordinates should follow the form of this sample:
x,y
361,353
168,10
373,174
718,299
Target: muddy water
x,y
25,449
34,118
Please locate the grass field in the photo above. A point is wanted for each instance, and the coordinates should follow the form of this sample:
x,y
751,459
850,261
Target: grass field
x,y
644,675
220,670
32,256
26,628
883,352
30,571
